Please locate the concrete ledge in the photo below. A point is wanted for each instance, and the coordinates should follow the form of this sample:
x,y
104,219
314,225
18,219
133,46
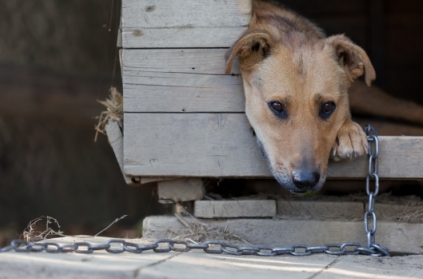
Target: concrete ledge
x,y
398,237
197,264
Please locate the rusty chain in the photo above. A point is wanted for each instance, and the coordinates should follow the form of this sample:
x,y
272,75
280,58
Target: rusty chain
x,y
116,246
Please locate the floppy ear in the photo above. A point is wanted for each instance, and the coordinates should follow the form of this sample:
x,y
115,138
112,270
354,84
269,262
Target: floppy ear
x,y
251,48
352,58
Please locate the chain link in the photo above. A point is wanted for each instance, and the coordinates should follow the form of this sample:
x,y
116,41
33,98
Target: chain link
x,y
370,228
165,245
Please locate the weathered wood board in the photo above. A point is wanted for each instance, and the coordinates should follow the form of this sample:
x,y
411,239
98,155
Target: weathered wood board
x,y
179,23
235,209
320,210
180,190
115,135
199,145
223,145
180,80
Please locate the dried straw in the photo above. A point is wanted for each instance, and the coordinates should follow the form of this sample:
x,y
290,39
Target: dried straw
x,y
114,111
32,234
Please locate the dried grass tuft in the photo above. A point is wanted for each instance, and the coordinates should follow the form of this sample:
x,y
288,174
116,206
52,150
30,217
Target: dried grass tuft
x,y
31,233
114,111
199,232
196,231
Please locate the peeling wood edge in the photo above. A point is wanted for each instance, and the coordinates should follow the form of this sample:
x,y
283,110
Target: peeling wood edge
x,y
115,137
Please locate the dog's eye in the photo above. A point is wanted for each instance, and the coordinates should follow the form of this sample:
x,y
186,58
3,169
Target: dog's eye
x,y
277,106
327,109
278,109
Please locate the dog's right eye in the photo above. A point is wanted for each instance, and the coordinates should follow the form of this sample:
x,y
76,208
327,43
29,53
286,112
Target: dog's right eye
x,y
278,109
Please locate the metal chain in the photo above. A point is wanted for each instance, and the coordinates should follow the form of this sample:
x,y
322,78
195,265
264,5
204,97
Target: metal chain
x,y
164,245
116,246
372,192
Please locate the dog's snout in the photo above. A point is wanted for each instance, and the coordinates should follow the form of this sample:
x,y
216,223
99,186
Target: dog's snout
x,y
305,180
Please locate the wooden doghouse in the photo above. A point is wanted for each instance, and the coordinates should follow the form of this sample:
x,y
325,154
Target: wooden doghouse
x,y
184,118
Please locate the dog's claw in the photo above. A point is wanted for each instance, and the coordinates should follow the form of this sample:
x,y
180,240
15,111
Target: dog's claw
x,y
351,142
366,150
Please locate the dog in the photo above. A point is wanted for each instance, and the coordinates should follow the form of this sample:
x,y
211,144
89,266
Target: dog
x,y
296,83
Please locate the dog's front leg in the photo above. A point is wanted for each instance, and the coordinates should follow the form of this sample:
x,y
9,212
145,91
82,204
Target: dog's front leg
x,y
351,142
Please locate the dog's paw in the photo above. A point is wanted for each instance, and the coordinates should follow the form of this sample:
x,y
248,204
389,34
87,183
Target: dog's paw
x,y
351,142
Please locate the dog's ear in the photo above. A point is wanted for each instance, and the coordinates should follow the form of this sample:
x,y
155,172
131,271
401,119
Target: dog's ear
x,y
352,58
251,48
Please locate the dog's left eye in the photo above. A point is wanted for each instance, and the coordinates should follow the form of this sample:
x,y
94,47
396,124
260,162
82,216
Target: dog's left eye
x,y
327,109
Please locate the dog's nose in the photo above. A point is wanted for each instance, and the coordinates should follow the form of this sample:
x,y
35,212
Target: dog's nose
x,y
305,180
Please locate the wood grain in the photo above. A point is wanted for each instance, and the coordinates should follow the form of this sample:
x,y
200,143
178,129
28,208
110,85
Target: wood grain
x,y
175,80
180,23
235,209
115,137
223,145
211,37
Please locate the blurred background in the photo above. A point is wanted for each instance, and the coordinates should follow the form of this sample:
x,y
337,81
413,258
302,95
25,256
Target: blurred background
x,y
57,57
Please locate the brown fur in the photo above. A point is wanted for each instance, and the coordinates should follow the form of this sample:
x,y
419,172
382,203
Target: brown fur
x,y
285,58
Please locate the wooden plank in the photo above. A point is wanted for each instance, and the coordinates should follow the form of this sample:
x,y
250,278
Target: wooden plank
x,y
191,78
320,210
190,98
235,209
398,237
180,190
181,23
191,145
180,37
180,92
223,145
191,61
147,180
115,136
181,13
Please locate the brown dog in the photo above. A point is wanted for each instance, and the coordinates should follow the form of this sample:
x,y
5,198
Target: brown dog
x,y
296,86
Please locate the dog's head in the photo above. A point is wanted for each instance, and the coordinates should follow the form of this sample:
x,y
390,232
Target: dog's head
x,y
296,99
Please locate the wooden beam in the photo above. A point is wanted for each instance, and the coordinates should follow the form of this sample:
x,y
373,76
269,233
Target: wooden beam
x,y
180,23
223,145
114,133
189,61
180,190
180,80
235,209
182,37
